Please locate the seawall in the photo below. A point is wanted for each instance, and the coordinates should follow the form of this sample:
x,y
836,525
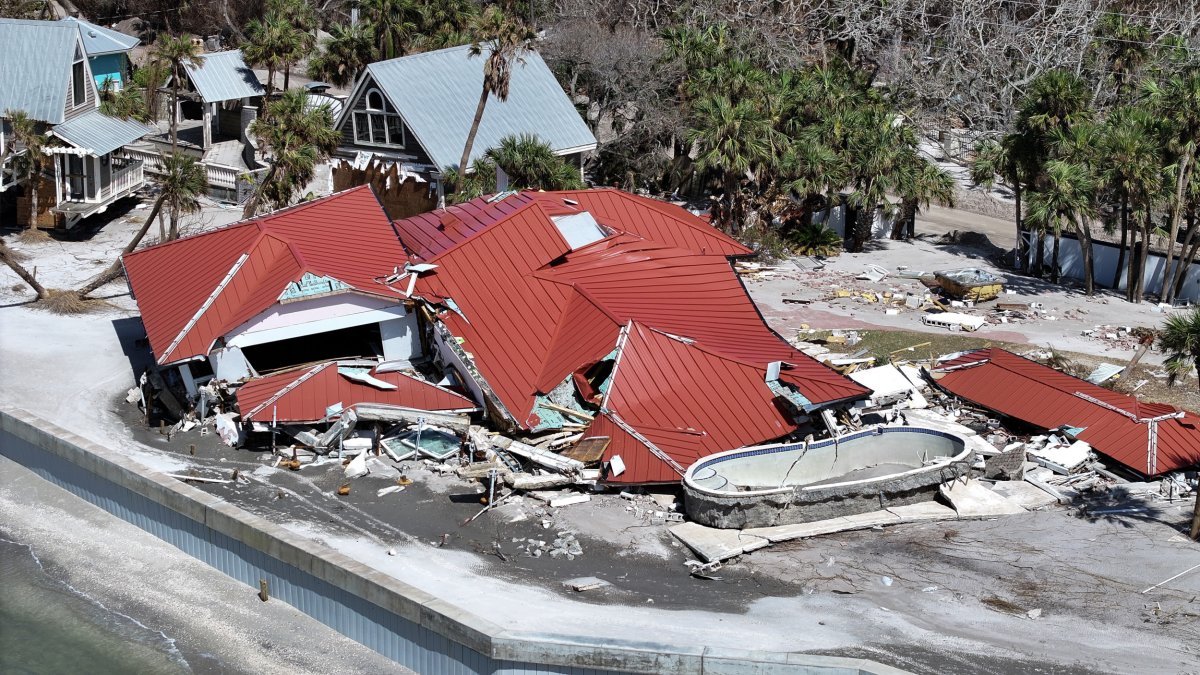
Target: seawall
x,y
402,622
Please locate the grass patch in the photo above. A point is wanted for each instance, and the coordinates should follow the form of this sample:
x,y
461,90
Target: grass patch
x,y
882,343
34,236
69,302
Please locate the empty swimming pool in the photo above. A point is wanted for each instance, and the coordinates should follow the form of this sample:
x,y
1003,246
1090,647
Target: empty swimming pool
x,y
802,482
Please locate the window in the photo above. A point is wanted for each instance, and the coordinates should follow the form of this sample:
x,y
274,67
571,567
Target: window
x,y
78,83
378,124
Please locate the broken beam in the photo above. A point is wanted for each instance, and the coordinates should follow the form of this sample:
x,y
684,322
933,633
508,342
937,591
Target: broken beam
x,y
374,412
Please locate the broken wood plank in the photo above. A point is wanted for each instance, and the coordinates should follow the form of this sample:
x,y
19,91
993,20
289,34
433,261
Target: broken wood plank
x,y
588,450
198,479
538,456
567,411
376,412
528,482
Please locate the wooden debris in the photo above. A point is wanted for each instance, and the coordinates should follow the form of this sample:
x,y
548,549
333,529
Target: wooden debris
x,y
588,450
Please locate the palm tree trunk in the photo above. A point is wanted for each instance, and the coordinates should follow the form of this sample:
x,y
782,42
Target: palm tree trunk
x,y
862,228
287,75
1116,282
173,234
1054,256
114,270
1022,251
908,209
35,181
466,156
1176,214
7,258
1181,266
1085,246
175,112
1039,261
255,197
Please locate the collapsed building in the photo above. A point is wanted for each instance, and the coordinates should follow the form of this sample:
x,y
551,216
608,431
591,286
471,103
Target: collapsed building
x,y
614,317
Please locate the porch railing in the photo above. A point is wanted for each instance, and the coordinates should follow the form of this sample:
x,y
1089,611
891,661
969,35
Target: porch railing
x,y
124,180
150,159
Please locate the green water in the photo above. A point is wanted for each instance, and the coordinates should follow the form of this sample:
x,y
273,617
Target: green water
x,y
48,627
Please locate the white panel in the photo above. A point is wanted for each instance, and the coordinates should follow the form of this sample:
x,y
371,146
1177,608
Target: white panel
x,y
579,229
229,364
400,339
247,339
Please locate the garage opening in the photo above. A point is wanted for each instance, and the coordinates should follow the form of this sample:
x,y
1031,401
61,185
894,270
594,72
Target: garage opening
x,y
348,343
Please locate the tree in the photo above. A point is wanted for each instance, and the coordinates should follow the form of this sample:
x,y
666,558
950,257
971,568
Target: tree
x,y
7,257
919,182
174,54
347,52
1067,199
530,164
182,181
1180,339
126,103
731,139
298,138
876,148
302,38
508,39
394,23
273,43
1178,102
1131,169
27,133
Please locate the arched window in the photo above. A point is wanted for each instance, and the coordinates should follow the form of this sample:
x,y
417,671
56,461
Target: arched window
x,y
376,123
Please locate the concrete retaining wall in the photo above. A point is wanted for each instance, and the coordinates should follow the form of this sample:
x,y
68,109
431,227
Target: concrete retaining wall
x,y
404,623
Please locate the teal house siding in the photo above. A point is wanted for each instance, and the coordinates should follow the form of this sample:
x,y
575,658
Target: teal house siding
x,y
114,66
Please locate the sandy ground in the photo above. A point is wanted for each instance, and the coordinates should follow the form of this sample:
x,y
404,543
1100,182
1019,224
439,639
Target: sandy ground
x,y
218,625
958,595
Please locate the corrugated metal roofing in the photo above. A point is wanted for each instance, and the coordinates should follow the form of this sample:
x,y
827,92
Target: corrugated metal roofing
x,y
98,40
100,133
35,67
429,234
224,76
1039,395
436,93
688,401
193,290
313,389
531,311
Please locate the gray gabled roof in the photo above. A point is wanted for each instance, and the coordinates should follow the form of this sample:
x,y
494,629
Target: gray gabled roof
x,y
99,133
224,76
98,40
35,67
437,92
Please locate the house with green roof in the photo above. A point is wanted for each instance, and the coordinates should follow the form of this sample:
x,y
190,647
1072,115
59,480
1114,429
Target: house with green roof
x,y
48,76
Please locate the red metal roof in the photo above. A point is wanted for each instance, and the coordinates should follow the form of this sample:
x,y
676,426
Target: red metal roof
x,y
713,403
429,234
193,290
531,311
303,395
1042,396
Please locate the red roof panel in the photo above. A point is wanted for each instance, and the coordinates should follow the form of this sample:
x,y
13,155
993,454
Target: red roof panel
x,y
713,403
1042,396
303,395
193,290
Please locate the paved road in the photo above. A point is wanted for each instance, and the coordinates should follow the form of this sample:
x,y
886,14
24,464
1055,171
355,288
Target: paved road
x,y
939,220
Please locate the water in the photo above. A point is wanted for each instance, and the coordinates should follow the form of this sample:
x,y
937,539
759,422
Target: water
x,y
47,626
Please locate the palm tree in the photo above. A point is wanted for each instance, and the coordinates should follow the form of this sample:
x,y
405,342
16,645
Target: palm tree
x,y
812,171
1180,338
348,50
273,43
919,182
175,53
530,164
1010,159
7,257
302,38
125,103
1178,102
393,23
182,182
876,148
1131,168
298,139
731,140
1068,198
27,132
508,40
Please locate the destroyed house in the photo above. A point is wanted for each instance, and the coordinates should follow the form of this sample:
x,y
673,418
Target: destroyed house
x,y
1147,438
297,286
613,315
